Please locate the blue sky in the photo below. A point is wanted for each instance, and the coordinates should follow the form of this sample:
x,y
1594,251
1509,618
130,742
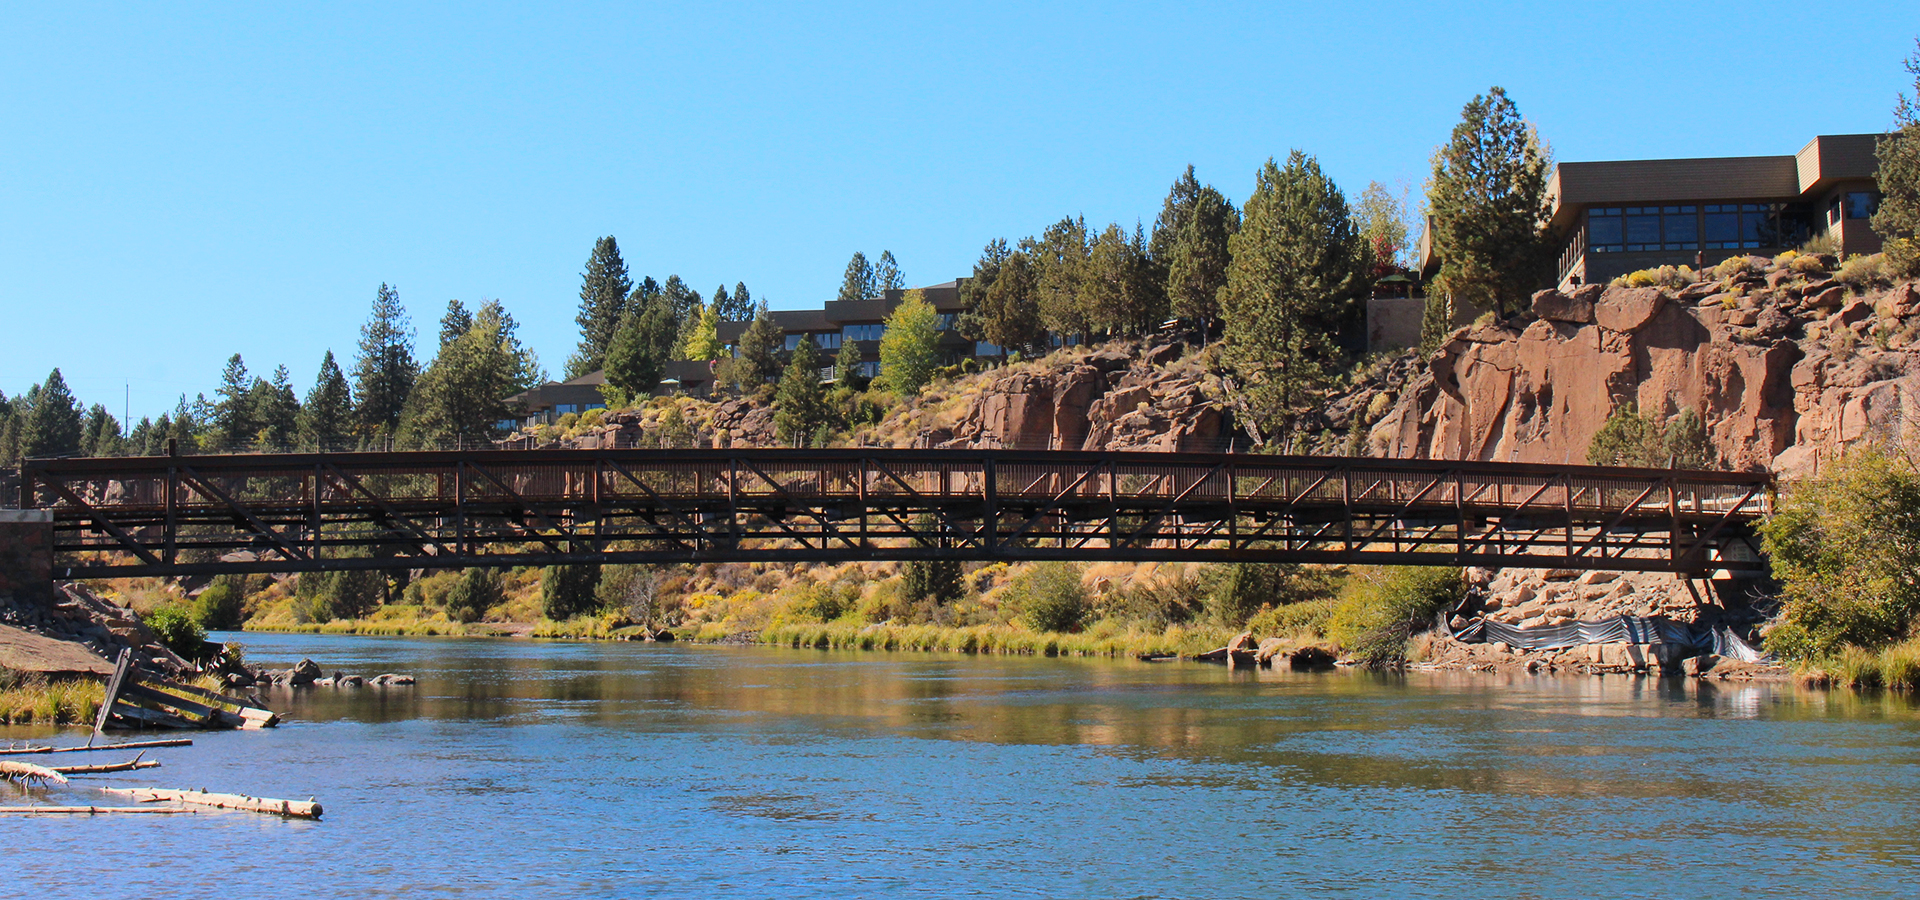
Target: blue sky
x,y
180,183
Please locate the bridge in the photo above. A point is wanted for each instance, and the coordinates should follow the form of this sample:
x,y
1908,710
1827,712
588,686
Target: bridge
x,y
202,515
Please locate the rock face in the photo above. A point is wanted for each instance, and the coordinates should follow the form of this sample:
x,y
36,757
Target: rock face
x,y
77,615
1784,366
1106,400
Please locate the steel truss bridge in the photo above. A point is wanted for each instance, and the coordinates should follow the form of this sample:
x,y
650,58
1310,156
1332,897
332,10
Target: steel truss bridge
x,y
188,515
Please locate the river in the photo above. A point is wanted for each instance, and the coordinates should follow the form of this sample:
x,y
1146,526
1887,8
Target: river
x,y
523,769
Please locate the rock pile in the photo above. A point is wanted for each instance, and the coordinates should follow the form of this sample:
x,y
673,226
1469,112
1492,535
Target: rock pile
x,y
79,615
307,673
1529,598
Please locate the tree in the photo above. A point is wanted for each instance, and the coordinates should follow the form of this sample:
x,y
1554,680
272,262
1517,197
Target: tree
x,y
859,282
1382,218
384,371
703,342
1120,290
846,366
736,307
1175,213
1007,310
681,300
603,301
886,274
455,322
233,423
638,358
100,433
1060,264
461,399
568,591
1298,266
910,345
758,359
1487,203
1898,154
1197,254
477,591
800,404
275,411
326,419
937,580
54,421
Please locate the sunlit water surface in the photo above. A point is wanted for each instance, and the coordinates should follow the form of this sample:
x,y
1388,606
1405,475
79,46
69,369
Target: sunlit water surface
x,y
529,769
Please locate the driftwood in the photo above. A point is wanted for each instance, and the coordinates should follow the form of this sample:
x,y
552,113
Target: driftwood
x,y
19,771
130,765
129,745
88,810
299,809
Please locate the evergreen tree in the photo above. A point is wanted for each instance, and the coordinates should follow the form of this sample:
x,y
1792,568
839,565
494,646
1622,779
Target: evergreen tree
x,y
1196,254
568,591
1008,310
886,274
720,299
461,399
1898,154
275,411
910,345
640,351
454,323
1175,212
1299,265
524,369
54,423
846,366
759,354
1488,203
384,371
233,423
140,440
859,282
326,420
937,580
736,307
603,301
100,433
1120,291
183,427
800,404
1060,265
704,342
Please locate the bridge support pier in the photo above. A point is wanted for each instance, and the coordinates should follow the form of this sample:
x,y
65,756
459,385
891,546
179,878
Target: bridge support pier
x,y
26,558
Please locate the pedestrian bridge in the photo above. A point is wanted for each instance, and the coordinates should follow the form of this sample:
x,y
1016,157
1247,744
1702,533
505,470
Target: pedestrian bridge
x,y
200,515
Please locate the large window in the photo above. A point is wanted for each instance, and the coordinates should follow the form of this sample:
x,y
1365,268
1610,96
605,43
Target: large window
x,y
863,332
1862,205
1742,226
1622,229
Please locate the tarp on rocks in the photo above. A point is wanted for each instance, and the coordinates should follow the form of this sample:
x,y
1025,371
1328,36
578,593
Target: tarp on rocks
x,y
1622,629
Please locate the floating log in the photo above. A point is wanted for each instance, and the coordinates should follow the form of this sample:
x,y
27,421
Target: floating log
x,y
299,809
128,766
19,771
96,748
89,810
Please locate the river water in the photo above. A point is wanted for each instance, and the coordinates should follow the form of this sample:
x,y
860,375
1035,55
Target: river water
x,y
529,769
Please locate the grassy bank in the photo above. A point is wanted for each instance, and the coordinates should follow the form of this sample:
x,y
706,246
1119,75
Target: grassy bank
x,y
1103,639
34,700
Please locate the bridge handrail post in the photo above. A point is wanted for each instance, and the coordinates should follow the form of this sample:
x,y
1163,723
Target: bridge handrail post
x,y
992,517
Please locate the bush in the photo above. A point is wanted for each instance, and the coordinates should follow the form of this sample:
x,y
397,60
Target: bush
x,y
477,591
1844,547
220,607
1631,439
1808,264
1736,266
1050,597
1664,276
932,579
1864,273
1288,618
176,628
1237,591
1377,615
568,591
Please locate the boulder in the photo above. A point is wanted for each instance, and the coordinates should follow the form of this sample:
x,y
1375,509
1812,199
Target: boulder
x,y
1857,311
1558,307
1629,309
305,671
1830,298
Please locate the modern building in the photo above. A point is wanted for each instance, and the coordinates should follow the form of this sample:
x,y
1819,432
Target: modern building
x,y
1611,218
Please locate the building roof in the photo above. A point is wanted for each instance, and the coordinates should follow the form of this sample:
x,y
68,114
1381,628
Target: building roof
x,y
1827,158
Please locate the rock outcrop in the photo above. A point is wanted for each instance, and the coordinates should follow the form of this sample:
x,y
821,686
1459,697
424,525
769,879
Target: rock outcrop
x,y
79,616
1107,399
1784,365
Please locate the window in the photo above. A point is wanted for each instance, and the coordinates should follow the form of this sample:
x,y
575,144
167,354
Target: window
x,y
863,332
1742,226
870,370
827,340
561,409
1862,205
944,322
1605,231
982,348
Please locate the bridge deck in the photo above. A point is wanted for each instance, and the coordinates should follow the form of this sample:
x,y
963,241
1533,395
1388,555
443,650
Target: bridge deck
x,y
301,512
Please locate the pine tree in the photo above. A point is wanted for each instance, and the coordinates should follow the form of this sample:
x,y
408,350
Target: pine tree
x,y
461,399
454,323
1488,204
910,345
603,300
140,439
54,424
858,283
1060,265
736,307
326,419
800,404
640,351
275,411
720,299
846,366
759,349
1003,309
1197,256
523,365
100,433
384,371
1898,155
886,274
1175,214
1298,268
233,425
1119,289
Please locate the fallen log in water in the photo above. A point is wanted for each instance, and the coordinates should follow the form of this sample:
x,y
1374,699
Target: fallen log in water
x,y
129,745
88,810
135,763
299,809
19,771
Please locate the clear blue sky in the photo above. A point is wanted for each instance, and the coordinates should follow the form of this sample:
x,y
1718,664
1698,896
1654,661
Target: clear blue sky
x,y
182,182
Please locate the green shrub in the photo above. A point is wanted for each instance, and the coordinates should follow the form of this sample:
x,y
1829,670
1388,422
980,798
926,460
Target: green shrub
x,y
220,607
176,628
1844,546
568,591
1378,613
1238,591
344,594
1628,438
1864,273
1808,264
1289,618
1050,597
476,591
932,579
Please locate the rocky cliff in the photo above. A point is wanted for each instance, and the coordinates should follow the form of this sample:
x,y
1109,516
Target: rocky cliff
x,y
1785,364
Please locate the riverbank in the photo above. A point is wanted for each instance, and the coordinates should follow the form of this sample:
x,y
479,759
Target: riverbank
x,y
34,700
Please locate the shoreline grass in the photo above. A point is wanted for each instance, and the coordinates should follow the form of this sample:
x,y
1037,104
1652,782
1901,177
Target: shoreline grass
x,y
34,700
1102,639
